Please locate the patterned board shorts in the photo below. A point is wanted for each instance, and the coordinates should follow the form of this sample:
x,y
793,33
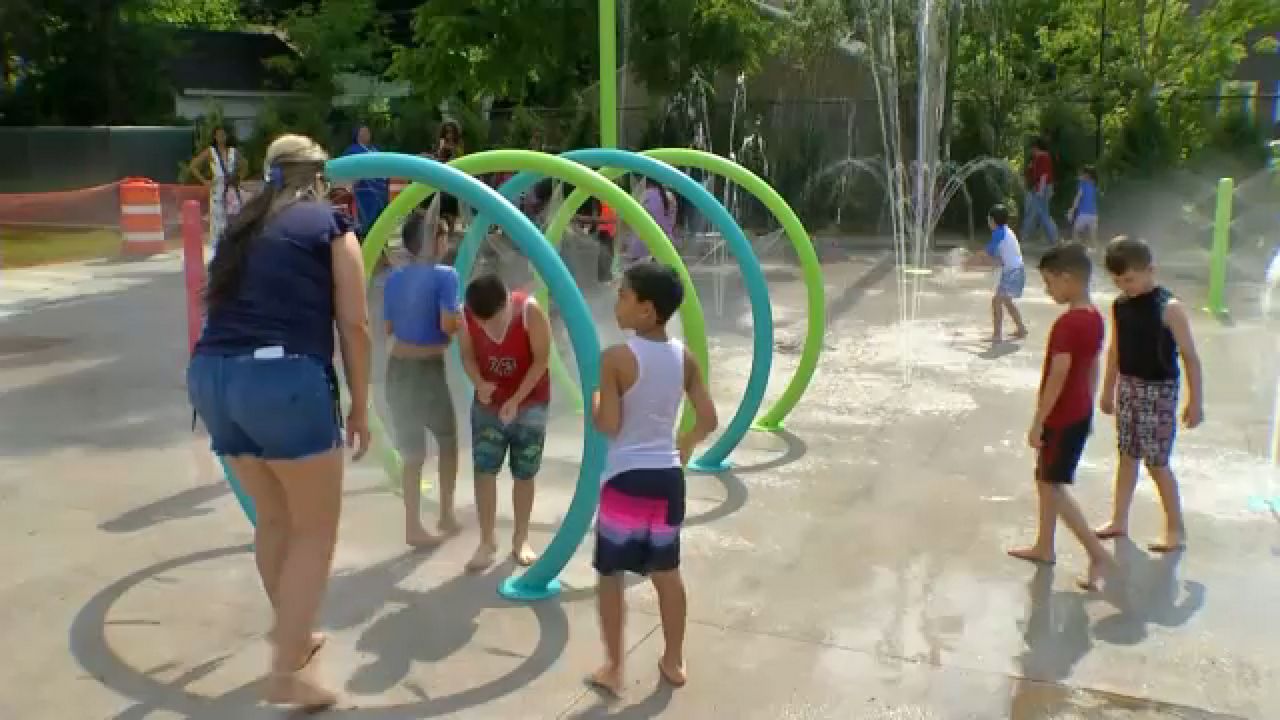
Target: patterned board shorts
x,y
524,438
638,527
1146,418
1012,282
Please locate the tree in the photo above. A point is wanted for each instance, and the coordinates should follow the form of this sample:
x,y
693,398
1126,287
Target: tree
x,y
83,63
521,50
672,40
95,62
530,53
333,37
212,14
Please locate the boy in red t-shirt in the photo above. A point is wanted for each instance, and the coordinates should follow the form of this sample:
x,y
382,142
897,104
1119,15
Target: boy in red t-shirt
x,y
1064,410
505,348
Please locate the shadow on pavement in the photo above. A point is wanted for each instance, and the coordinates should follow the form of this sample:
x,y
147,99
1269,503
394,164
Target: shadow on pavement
x,y
796,449
390,640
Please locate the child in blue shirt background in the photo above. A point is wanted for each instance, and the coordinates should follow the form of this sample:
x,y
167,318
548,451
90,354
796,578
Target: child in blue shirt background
x,y
1083,215
1005,252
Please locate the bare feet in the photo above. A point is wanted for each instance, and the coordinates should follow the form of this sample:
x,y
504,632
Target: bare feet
x,y
523,555
318,640
1033,554
420,539
1111,531
1100,569
448,526
482,558
995,339
609,679
298,689
1170,543
673,672
1019,334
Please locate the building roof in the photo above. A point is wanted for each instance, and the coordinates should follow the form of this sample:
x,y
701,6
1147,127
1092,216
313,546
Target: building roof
x,y
228,61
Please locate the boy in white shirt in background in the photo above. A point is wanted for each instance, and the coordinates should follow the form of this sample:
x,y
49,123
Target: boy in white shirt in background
x,y
1005,252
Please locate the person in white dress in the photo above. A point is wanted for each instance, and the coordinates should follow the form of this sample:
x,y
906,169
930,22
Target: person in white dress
x,y
218,168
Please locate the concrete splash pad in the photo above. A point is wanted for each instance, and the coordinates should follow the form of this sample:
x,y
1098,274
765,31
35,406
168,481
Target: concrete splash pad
x,y
853,569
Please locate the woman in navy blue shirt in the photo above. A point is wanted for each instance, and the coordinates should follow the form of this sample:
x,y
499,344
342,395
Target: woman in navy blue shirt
x,y
262,380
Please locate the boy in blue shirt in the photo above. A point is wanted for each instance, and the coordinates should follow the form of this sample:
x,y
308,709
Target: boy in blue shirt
x,y
422,309
1004,252
1083,215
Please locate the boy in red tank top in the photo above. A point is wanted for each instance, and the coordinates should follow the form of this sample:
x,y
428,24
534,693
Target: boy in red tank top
x,y
1064,410
505,350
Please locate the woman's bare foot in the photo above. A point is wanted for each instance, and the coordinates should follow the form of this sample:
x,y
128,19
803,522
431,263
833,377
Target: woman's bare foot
x,y
298,689
523,555
673,672
318,639
420,539
1170,543
448,526
1111,531
1033,554
1100,569
609,679
482,558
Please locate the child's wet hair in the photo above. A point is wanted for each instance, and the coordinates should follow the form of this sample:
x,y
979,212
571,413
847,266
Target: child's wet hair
x,y
657,284
486,295
1125,253
414,234
999,214
1068,259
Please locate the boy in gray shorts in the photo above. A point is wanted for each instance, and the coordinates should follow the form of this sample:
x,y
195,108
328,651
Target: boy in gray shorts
x,y
421,306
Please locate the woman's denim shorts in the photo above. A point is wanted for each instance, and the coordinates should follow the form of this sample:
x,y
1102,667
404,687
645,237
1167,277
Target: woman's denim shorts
x,y
276,408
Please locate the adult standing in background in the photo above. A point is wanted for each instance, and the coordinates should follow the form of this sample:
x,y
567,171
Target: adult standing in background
x,y
449,148
662,206
1035,207
224,174
372,194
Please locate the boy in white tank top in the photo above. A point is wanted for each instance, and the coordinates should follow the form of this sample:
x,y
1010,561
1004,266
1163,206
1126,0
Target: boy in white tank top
x,y
642,500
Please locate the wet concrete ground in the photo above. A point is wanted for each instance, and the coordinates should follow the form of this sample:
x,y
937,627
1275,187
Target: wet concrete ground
x,y
852,567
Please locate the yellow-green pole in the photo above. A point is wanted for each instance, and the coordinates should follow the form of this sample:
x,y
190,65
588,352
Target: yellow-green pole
x,y
1221,248
609,73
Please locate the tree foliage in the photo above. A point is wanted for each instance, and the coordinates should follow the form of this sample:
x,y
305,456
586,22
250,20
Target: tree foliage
x,y
524,50
82,63
534,53
668,42
332,37
212,14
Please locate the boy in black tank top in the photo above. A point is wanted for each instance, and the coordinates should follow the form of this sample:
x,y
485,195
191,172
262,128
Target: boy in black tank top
x,y
1150,329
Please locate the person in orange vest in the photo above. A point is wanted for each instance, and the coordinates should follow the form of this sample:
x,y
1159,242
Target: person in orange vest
x,y
606,225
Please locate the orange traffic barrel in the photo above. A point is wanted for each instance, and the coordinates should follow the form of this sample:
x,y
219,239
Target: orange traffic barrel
x,y
141,217
397,186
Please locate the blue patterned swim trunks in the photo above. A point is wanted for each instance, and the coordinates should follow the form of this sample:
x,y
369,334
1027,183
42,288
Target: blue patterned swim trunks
x,y
524,438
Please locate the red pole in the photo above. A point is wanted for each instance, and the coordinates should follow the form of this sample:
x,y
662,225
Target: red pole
x,y
193,268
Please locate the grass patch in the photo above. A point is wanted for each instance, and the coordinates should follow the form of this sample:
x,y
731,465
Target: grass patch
x,y
27,247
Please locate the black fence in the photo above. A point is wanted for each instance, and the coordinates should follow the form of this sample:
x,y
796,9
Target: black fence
x,y
48,159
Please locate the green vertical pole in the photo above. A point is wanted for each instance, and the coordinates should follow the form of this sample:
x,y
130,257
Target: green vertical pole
x,y
1221,247
609,73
